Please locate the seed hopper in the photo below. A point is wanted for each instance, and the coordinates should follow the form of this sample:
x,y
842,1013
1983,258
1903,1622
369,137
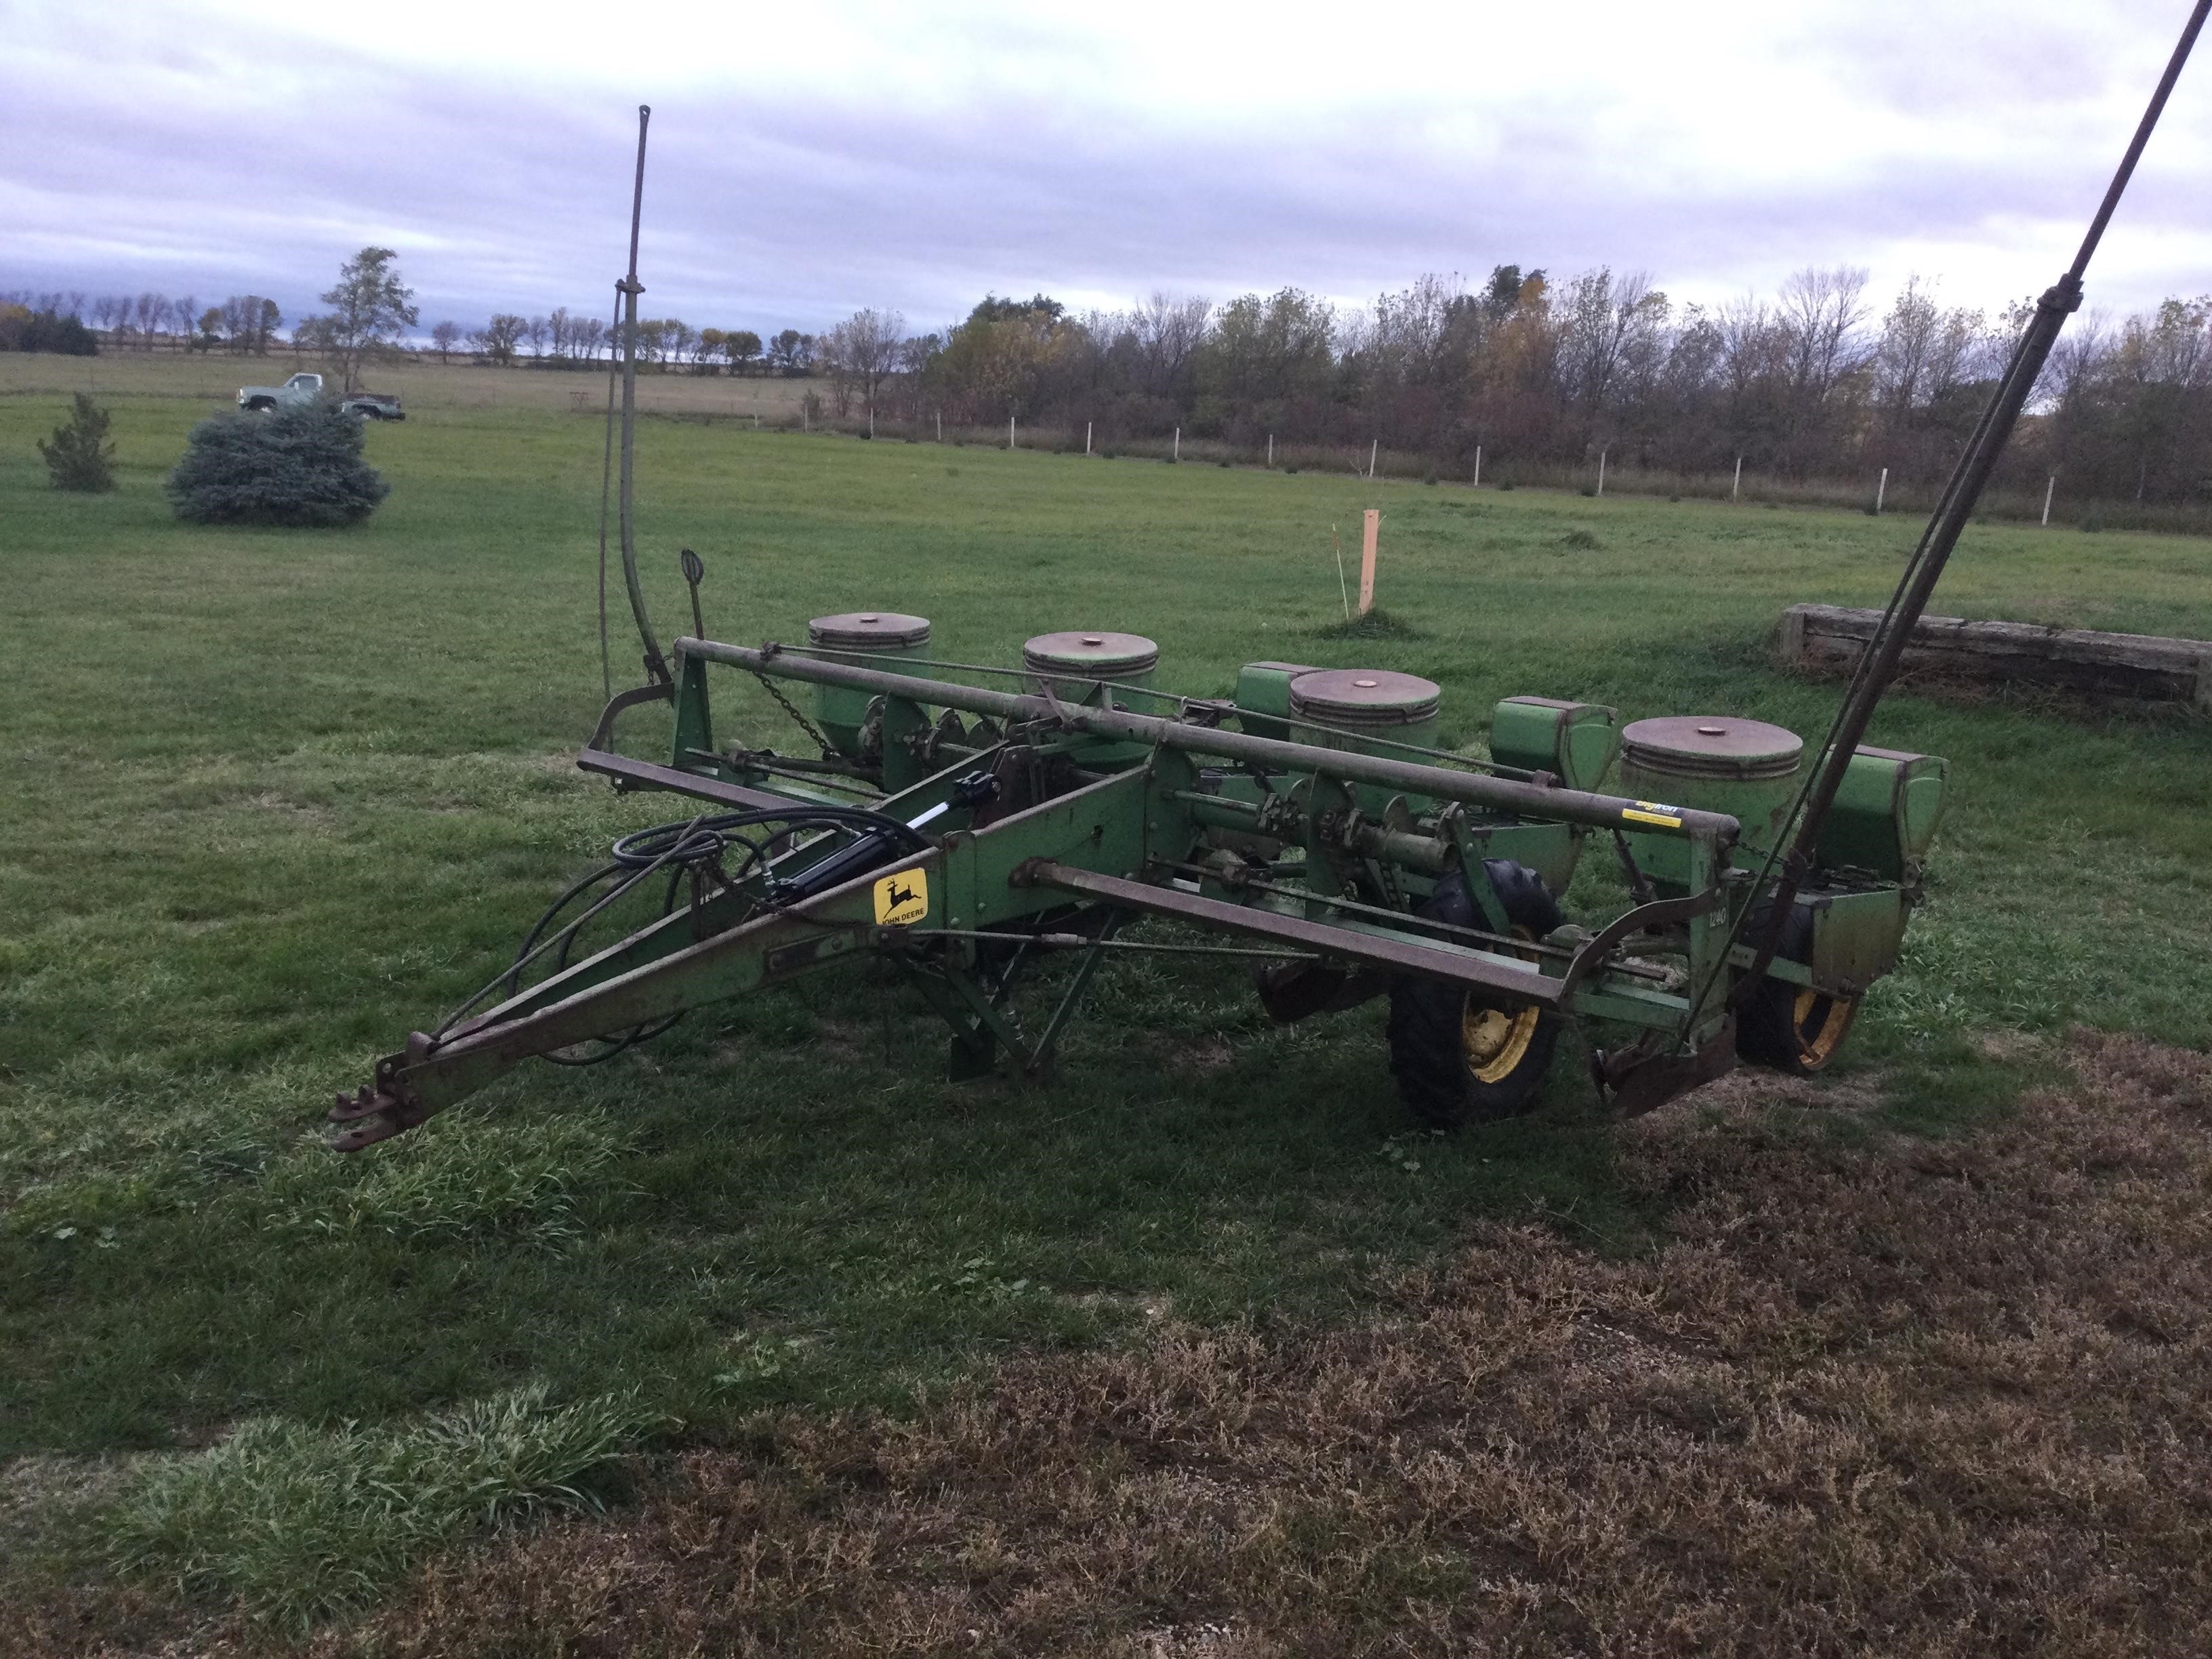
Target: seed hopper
x,y
968,821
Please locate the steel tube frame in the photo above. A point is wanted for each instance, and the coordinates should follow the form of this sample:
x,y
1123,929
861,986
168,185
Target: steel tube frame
x,y
1475,788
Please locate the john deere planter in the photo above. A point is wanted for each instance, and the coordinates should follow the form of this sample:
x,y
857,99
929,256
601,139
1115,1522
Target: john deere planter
x,y
966,831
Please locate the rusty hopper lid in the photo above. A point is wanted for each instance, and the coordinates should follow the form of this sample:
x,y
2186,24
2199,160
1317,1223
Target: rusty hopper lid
x,y
1098,653
1364,697
1711,746
868,631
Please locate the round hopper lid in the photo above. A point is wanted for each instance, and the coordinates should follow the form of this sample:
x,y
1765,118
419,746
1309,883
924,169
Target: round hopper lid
x,y
1099,654
868,631
1364,697
1711,746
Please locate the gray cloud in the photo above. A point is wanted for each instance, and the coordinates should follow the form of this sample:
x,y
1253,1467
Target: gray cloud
x,y
774,199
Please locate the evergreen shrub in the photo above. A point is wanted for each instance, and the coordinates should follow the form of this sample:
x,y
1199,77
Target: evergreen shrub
x,y
301,465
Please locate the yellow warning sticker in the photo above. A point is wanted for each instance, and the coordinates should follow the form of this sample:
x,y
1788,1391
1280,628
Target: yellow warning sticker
x,y
902,899
1652,811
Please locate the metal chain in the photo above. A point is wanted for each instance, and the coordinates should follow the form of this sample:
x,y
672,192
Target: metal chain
x,y
788,707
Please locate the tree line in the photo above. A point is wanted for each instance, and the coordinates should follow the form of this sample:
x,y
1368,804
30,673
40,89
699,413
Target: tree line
x,y
1815,382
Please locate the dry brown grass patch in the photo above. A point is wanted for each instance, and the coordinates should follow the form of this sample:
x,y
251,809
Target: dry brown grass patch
x,y
1904,1397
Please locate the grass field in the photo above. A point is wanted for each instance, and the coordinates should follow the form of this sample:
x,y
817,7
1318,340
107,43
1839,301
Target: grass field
x,y
273,799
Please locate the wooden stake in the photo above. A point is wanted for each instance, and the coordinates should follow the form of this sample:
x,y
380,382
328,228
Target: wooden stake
x,y
940,426
1086,437
2049,489
1372,523
1736,489
1271,449
1600,472
1178,444
1342,591
1478,466
1881,490
1373,450
1010,432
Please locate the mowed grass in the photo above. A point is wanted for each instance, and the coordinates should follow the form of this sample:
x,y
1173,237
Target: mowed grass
x,y
274,798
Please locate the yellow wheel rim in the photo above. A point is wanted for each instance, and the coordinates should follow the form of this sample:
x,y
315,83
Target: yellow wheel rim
x,y
1820,1023
1495,1042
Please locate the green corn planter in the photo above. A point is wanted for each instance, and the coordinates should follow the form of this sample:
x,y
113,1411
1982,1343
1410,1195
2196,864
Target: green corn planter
x,y
1576,742
1716,763
1886,816
1352,706
1095,664
1263,690
859,637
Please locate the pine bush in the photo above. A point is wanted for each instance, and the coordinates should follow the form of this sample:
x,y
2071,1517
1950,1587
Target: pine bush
x,y
299,465
79,455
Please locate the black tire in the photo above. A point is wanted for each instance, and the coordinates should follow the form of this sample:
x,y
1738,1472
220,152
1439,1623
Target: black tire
x,y
1792,1027
1460,1057
259,406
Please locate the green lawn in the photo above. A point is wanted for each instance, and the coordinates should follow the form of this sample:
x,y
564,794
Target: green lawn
x,y
273,799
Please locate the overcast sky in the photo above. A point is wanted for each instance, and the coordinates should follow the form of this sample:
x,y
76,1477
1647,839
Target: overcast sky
x,y
807,160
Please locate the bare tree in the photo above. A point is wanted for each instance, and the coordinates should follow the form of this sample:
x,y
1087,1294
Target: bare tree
x,y
1168,330
498,339
535,331
444,337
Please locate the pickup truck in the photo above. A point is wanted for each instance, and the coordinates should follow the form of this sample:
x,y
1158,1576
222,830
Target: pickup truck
x,y
306,388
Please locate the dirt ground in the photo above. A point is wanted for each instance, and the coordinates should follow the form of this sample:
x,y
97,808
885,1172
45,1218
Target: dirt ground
x,y
1871,1395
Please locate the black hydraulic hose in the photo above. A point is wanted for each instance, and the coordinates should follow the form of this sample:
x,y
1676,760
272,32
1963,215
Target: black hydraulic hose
x,y
680,845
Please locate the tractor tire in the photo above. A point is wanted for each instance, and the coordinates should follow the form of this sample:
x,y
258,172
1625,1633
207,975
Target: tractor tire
x,y
1792,1027
1460,1056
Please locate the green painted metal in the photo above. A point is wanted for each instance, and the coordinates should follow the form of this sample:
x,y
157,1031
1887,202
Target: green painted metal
x,y
1886,814
885,636
1577,741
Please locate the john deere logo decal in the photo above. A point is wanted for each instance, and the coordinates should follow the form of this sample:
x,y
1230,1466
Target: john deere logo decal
x,y
902,899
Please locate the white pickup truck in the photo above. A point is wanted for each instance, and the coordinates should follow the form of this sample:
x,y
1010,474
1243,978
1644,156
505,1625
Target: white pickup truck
x,y
306,388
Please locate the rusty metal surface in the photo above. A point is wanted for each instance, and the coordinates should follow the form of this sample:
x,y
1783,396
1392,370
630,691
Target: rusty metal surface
x,y
1712,746
1097,652
868,631
1364,697
1660,912
647,775
1479,788
1646,1075
1512,979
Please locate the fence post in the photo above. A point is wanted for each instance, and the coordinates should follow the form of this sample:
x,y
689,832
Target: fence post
x,y
1600,471
804,425
1736,489
1881,490
2048,490
1178,444
1478,466
1373,450
1010,432
871,420
1271,449
1372,522
1086,437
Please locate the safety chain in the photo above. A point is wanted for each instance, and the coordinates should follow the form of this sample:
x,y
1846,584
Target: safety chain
x,y
805,725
